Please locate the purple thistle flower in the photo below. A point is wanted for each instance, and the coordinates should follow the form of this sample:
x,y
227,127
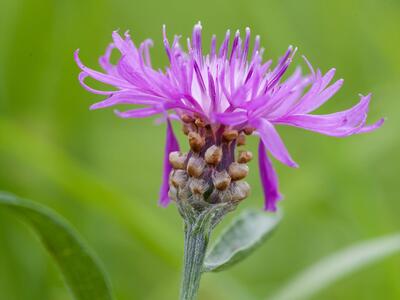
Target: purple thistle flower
x,y
227,90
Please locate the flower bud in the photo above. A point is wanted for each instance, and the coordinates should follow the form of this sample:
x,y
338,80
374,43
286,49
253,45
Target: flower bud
x,y
198,186
238,171
221,180
195,166
213,155
196,141
177,160
245,157
178,178
230,135
240,191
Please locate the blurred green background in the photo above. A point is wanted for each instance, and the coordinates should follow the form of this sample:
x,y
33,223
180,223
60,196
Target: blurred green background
x,y
103,173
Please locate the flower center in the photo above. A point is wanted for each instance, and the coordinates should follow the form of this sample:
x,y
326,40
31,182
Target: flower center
x,y
211,172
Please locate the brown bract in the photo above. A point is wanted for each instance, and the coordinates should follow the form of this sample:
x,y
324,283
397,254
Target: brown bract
x,y
195,166
248,130
213,155
221,180
241,140
186,119
196,141
178,178
245,157
200,123
177,160
238,171
230,135
240,190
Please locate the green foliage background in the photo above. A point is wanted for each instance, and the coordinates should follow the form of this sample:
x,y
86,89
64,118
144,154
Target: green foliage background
x,y
103,173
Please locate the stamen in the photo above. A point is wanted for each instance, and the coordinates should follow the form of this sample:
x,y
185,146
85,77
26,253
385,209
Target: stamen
x,y
212,92
224,47
256,47
213,46
197,42
199,77
234,46
245,46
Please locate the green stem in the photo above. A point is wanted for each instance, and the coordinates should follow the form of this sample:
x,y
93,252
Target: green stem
x,y
196,241
199,222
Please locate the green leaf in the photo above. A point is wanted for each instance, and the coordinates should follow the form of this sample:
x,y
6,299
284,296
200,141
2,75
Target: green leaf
x,y
342,263
81,270
240,239
82,184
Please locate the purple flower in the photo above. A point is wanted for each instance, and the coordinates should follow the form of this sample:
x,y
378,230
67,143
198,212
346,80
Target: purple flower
x,y
230,88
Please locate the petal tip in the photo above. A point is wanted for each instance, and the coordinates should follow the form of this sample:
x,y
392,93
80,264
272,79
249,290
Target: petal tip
x,y
294,165
164,202
119,113
94,106
380,122
78,60
270,208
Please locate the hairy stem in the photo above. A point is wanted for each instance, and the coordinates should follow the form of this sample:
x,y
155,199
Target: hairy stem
x,y
196,241
199,222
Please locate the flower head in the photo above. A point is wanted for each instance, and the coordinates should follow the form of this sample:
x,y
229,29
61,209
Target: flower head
x,y
220,97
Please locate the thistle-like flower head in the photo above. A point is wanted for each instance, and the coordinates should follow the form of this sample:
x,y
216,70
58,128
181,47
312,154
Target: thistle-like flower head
x,y
220,97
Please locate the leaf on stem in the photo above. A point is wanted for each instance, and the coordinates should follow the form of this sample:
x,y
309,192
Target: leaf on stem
x,y
81,271
240,239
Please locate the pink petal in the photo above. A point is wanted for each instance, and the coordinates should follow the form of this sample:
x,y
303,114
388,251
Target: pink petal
x,y
107,79
273,141
232,118
128,97
139,113
338,124
269,179
316,101
171,145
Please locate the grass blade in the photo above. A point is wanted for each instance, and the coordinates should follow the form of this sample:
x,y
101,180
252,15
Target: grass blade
x,y
338,265
81,271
